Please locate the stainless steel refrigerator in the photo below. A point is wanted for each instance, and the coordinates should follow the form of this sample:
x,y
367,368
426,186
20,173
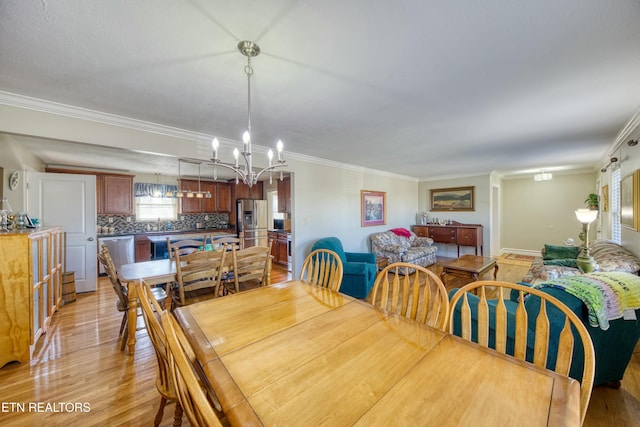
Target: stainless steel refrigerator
x,y
252,222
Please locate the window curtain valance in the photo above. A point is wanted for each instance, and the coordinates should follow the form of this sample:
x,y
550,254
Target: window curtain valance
x,y
147,189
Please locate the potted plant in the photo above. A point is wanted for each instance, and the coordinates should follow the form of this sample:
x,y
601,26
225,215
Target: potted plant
x,y
592,201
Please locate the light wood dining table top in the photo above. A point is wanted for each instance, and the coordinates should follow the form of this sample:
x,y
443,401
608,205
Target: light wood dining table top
x,y
292,354
154,273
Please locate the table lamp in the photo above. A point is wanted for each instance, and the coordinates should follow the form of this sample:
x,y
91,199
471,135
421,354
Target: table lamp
x,y
585,261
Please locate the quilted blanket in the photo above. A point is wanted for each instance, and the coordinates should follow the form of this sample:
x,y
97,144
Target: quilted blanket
x,y
607,295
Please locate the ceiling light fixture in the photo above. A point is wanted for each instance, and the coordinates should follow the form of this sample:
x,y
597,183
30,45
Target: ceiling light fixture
x,y
611,161
246,172
190,193
542,176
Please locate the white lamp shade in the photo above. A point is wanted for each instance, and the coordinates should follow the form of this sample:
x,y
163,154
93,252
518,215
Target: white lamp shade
x,y
586,216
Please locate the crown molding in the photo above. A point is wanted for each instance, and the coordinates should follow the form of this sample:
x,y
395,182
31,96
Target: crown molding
x,y
626,133
202,140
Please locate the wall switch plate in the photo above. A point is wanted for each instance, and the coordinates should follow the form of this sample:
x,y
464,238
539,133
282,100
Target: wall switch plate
x,y
181,217
206,217
128,219
110,220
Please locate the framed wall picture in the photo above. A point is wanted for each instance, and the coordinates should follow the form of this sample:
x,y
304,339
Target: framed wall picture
x,y
373,208
629,201
605,198
453,199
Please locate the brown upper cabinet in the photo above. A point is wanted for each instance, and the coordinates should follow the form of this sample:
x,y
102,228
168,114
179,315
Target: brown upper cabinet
x,y
284,195
242,190
220,200
117,197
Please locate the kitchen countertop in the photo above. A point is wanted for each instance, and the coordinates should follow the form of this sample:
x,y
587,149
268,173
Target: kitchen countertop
x,y
173,232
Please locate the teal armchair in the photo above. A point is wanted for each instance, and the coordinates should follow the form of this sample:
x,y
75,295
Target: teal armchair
x,y
359,269
613,347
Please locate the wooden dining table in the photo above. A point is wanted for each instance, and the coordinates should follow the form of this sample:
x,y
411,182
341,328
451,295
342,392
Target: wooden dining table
x,y
152,272
293,354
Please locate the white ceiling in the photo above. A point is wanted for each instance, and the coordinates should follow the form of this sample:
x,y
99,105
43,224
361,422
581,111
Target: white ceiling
x,y
423,88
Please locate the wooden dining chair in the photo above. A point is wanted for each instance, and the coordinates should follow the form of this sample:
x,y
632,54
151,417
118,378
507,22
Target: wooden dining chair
x,y
151,310
191,390
420,296
195,271
221,242
251,267
122,304
323,267
494,329
184,247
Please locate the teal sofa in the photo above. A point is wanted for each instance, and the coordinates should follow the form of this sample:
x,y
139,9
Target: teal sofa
x,y
359,269
613,347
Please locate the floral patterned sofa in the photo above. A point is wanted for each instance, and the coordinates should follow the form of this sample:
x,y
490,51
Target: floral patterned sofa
x,y
402,245
609,256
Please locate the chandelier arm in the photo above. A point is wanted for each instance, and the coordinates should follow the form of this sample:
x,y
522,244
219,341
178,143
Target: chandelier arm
x,y
270,168
242,174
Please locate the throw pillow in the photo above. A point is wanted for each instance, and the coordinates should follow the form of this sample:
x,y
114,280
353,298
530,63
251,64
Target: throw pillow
x,y
563,262
402,232
560,252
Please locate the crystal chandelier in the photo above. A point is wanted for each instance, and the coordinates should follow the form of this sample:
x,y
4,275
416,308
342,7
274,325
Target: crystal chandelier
x,y
246,172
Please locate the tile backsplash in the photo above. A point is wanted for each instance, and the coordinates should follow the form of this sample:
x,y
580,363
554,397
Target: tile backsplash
x,y
121,225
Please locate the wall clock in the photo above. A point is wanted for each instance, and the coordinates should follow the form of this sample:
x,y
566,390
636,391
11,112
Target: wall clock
x,y
14,179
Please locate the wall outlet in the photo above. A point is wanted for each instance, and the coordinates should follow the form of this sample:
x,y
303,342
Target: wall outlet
x,y
110,220
128,219
206,217
181,217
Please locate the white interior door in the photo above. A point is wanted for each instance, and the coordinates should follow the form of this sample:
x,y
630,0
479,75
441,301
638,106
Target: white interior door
x,y
69,201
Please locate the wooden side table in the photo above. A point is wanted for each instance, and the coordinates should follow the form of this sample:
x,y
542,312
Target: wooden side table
x,y
470,266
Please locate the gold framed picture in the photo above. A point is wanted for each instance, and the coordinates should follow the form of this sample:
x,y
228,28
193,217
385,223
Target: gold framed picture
x,y
453,199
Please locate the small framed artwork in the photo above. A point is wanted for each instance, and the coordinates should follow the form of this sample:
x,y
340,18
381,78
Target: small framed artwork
x,y
373,208
629,201
605,198
453,199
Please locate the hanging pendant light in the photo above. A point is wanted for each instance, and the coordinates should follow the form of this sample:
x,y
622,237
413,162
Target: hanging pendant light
x,y
246,173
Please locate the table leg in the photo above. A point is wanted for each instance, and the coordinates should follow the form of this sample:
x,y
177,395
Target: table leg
x,y
495,272
132,316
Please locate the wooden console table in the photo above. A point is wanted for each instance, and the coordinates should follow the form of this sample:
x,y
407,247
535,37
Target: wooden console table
x,y
456,233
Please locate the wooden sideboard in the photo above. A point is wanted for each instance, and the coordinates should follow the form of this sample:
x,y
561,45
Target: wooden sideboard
x,y
31,289
456,234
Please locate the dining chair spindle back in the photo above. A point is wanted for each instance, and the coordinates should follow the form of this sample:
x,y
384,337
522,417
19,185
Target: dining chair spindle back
x,y
192,391
151,310
492,330
420,296
323,267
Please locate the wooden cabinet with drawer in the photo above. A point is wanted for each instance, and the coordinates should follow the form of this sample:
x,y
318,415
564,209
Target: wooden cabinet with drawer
x,y
456,233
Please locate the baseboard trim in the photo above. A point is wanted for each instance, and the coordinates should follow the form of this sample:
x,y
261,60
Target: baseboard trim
x,y
519,252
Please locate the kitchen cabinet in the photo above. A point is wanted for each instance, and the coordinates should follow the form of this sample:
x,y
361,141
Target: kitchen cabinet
x,y
280,247
284,195
32,293
117,194
143,248
456,233
220,200
242,190
190,205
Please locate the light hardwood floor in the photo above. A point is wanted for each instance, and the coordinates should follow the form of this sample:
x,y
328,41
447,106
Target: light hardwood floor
x,y
79,361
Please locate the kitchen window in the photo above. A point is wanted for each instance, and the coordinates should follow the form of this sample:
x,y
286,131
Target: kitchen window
x,y
152,203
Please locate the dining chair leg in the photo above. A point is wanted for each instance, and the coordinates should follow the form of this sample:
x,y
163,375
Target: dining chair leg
x,y
158,419
125,335
177,416
123,323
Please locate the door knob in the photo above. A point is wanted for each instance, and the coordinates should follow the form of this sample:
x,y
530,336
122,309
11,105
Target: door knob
x,y
90,239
